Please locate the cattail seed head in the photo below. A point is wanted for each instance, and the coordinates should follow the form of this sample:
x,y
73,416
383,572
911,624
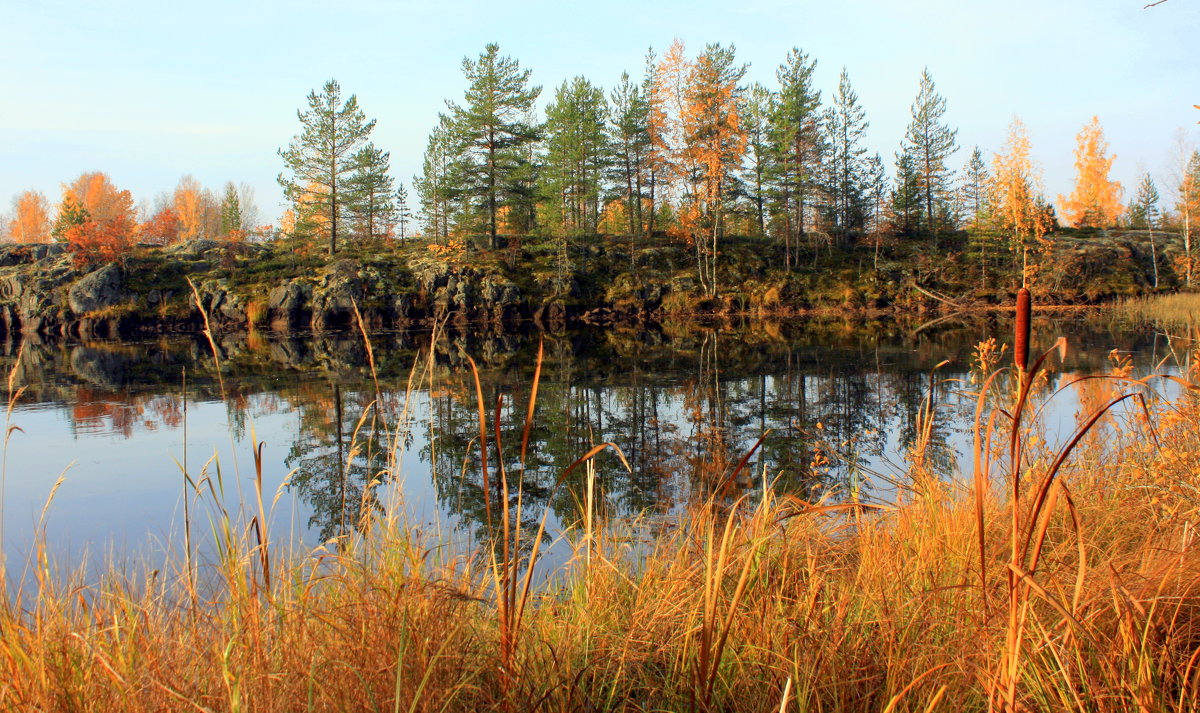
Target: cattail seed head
x,y
1021,340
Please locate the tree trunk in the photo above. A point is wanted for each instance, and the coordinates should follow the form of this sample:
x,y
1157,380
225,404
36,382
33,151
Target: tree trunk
x,y
929,218
333,208
634,219
653,205
1187,243
1154,257
492,189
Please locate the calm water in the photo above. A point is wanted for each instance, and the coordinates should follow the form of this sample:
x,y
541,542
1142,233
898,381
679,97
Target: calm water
x,y
839,404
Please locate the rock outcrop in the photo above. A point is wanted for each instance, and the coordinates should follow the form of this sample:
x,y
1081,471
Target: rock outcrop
x,y
97,290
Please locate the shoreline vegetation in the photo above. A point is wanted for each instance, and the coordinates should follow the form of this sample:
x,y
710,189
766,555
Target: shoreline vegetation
x,y
1051,576
286,287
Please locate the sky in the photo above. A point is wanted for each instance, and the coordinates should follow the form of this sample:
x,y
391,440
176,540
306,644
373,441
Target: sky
x,y
150,91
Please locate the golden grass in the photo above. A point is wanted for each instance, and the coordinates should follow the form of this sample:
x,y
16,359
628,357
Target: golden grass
x,y
1071,582
1177,310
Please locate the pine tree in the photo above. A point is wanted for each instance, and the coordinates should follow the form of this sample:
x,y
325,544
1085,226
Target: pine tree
x,y
757,108
797,146
433,185
577,154
846,128
71,214
231,212
876,186
930,143
655,162
1144,215
630,141
1143,210
521,207
403,211
321,157
973,189
491,132
907,206
370,193
972,198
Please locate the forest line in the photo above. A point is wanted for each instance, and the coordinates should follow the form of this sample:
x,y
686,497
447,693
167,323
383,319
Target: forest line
x,y
688,154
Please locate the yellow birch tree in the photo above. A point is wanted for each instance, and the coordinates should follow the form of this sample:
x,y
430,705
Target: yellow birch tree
x,y
1096,201
1015,188
31,219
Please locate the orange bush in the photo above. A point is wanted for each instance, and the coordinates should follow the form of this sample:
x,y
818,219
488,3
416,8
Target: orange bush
x,y
94,242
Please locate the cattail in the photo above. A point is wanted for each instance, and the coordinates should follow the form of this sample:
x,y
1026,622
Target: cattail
x,y
1021,342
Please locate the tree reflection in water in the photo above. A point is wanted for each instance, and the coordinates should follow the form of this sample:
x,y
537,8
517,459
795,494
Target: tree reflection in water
x,y
683,404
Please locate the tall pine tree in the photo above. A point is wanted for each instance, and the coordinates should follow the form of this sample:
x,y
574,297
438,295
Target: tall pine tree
x,y
1143,214
973,189
491,132
907,206
876,184
930,142
846,128
577,154
629,139
434,184
371,203
320,158
231,212
797,146
973,203
403,211
757,107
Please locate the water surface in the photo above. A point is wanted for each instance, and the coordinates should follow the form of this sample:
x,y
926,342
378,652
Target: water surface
x,y
839,403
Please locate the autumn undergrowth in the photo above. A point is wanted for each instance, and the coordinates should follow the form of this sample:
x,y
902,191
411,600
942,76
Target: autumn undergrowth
x,y
1060,576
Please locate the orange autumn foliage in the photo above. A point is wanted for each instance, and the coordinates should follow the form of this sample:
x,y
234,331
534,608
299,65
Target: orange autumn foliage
x,y
95,242
714,139
1016,197
103,201
1016,188
189,207
287,222
1096,201
698,139
304,218
695,124
453,253
31,220
106,231
162,229
666,107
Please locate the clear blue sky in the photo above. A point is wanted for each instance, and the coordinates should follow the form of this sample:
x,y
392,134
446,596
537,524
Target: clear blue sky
x,y
148,91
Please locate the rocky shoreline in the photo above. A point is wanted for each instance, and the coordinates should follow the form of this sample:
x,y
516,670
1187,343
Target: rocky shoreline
x,y
271,287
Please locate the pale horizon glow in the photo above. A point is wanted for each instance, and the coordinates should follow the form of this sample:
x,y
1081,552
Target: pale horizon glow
x,y
152,91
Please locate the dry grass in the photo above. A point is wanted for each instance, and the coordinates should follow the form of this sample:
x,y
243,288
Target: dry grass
x,y
1070,582
1176,310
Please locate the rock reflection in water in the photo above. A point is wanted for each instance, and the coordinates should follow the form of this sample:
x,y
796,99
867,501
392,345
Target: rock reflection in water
x,y
684,404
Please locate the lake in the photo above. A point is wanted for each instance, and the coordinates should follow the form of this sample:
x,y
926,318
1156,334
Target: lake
x,y
839,403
